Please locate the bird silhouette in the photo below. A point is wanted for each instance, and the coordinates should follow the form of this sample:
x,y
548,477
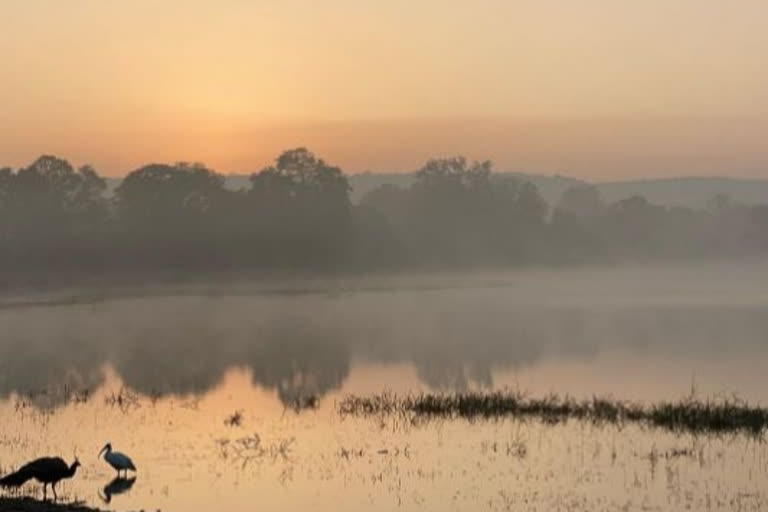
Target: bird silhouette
x,y
46,470
119,461
117,486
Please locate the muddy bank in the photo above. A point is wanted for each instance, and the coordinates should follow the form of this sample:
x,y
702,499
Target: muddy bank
x,y
32,505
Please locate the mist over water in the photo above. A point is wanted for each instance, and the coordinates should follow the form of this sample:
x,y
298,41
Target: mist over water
x,y
203,385
481,330
429,301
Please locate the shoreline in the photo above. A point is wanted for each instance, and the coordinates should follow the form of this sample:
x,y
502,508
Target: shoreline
x,y
28,504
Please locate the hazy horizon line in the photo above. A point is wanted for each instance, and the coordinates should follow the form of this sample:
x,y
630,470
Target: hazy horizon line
x,y
595,149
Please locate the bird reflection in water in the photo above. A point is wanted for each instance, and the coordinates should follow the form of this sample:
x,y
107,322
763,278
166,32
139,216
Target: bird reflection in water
x,y
119,485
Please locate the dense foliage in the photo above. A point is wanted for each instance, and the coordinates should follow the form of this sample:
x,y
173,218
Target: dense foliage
x,y
297,214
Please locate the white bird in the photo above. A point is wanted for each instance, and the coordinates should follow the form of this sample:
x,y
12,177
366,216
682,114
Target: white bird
x,y
119,461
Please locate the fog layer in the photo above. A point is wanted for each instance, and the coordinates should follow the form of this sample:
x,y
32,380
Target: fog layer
x,y
57,224
456,336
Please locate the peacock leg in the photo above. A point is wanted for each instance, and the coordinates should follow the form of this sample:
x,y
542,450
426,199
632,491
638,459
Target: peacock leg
x,y
53,486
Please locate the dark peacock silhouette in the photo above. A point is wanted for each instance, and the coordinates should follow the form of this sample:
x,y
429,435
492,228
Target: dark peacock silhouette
x,y
46,470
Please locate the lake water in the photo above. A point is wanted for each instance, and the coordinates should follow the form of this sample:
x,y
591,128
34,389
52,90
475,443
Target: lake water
x,y
197,384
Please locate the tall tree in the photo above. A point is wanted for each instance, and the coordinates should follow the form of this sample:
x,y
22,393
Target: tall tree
x,y
301,208
49,208
50,198
171,212
160,197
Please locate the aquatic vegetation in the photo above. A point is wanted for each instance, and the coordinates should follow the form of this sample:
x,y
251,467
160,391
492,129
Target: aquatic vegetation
x,y
688,415
48,398
235,419
125,399
350,453
303,403
248,449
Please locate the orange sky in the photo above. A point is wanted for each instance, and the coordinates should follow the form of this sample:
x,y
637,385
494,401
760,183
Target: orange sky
x,y
595,88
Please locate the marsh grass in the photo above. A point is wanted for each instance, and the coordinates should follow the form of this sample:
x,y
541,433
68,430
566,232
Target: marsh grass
x,y
728,416
302,403
48,399
125,399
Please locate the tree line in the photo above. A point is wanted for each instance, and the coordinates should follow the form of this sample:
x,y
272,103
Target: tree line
x,y
297,214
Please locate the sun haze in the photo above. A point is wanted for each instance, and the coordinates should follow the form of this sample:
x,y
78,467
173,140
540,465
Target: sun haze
x,y
596,89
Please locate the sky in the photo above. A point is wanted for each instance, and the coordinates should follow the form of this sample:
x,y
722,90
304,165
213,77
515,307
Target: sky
x,y
596,89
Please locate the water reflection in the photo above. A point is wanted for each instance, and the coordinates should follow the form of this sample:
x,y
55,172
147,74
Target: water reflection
x,y
306,345
162,376
119,485
195,461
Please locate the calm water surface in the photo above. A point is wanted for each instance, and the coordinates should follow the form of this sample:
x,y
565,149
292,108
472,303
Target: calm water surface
x,y
197,385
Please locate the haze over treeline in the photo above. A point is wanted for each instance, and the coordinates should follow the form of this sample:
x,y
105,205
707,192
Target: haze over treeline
x,y
297,214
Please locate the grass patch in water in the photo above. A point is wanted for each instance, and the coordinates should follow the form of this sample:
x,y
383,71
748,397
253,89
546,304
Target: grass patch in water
x,y
687,415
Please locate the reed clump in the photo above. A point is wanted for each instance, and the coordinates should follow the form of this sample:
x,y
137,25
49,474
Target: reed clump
x,y
687,415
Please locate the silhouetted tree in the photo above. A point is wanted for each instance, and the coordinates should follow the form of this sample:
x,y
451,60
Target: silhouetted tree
x,y
297,213
301,210
630,228
454,174
51,206
389,200
756,231
571,239
6,184
170,214
448,204
727,225
583,201
376,242
456,214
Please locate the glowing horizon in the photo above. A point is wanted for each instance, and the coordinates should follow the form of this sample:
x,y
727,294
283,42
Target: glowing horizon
x,y
597,90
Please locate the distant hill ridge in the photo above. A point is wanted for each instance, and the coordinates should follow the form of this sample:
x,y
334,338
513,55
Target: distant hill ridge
x,y
692,192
